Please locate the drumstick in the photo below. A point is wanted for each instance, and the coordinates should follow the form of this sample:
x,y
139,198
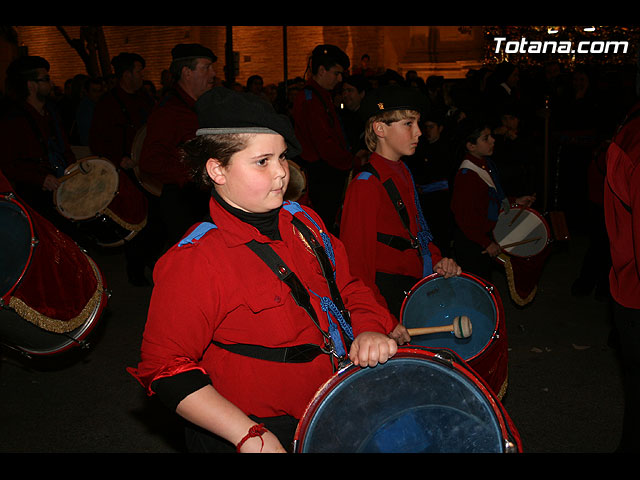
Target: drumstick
x,y
516,216
521,242
461,328
82,168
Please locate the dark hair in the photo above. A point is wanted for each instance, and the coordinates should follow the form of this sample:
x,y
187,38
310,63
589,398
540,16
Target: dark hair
x,y
196,152
125,62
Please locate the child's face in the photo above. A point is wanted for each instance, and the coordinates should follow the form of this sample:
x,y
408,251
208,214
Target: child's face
x,y
399,138
483,146
256,178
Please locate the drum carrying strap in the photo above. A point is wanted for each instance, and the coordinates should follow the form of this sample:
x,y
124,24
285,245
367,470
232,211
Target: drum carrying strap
x,y
337,314
421,241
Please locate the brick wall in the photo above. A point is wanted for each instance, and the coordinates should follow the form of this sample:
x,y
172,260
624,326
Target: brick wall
x,y
260,48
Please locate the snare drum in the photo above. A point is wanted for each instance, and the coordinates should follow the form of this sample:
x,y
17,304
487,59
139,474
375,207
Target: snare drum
x,y
521,232
52,292
436,301
103,200
524,237
419,401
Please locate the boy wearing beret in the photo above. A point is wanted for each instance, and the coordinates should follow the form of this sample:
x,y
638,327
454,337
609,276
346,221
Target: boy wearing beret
x,y
382,227
254,309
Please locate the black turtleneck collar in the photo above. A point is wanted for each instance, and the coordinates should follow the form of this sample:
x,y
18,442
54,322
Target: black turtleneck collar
x,y
266,223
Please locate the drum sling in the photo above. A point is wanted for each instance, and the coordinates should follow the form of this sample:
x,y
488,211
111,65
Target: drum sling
x,y
419,242
338,315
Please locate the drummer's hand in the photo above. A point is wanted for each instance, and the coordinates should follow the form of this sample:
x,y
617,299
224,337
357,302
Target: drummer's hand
x,y
526,200
50,183
370,348
493,250
447,267
127,163
400,334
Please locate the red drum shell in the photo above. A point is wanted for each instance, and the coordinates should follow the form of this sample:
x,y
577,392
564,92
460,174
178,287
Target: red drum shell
x,y
59,298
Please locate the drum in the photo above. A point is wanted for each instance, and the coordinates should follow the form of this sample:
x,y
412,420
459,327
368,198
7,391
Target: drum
x,y
53,294
521,232
419,401
151,185
524,237
102,200
436,301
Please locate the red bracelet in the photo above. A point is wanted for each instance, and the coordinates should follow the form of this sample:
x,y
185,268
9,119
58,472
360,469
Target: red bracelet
x,y
255,431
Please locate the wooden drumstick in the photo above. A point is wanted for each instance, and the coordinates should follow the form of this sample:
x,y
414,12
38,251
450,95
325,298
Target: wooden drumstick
x,y
82,168
516,216
461,328
521,242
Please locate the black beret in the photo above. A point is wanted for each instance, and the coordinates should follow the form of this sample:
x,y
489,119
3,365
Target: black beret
x,y
323,52
392,97
25,65
186,51
222,110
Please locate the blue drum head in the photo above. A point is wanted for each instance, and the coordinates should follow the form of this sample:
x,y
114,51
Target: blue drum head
x,y
406,405
15,238
438,301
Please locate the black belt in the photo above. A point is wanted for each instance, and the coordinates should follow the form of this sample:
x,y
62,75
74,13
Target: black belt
x,y
296,354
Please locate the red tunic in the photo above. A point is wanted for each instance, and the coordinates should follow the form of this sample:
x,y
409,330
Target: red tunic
x,y
116,120
318,128
368,210
216,288
23,159
474,204
622,187
172,123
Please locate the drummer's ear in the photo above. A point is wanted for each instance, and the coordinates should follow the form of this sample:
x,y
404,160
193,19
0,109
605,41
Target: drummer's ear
x,y
215,171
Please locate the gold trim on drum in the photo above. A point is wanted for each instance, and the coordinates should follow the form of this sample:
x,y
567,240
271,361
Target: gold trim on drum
x,y
61,326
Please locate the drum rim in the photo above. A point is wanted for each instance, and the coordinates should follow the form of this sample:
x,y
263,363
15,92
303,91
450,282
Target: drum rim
x,y
100,212
488,288
544,223
10,197
457,364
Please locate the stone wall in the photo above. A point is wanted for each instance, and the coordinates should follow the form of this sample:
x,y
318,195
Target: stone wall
x,y
259,48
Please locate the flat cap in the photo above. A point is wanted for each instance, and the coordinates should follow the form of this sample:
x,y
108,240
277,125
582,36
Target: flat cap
x,y
392,97
222,111
186,51
26,65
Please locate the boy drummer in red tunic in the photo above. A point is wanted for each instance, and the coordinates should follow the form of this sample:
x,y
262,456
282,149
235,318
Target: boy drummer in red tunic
x,y
386,236
252,310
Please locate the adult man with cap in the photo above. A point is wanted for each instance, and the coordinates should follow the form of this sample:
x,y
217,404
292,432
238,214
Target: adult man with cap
x,y
170,125
325,154
34,147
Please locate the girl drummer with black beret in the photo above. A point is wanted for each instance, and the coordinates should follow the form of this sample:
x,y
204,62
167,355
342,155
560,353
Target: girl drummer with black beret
x,y
255,308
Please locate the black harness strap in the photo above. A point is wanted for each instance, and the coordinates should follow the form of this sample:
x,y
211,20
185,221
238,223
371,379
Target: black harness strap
x,y
305,352
394,241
